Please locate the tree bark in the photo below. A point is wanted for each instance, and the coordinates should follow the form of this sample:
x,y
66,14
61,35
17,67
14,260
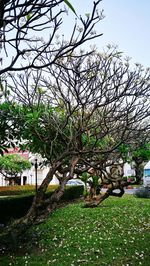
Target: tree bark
x,y
23,223
109,192
52,202
41,206
139,169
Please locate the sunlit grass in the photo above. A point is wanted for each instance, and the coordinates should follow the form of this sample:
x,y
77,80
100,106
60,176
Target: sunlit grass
x,y
115,234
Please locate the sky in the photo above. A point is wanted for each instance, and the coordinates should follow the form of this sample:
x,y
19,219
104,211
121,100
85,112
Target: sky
x,y
126,24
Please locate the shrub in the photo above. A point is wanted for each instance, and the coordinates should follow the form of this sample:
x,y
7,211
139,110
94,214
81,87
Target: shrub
x,y
73,192
130,179
142,192
21,190
14,207
17,206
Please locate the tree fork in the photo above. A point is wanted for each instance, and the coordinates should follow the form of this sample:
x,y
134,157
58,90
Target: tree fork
x,y
102,197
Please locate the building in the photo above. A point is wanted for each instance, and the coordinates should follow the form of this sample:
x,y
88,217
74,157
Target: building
x,y
146,178
38,172
32,176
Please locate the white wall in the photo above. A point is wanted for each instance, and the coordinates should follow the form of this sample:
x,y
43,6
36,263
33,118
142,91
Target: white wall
x,y
30,174
41,174
128,171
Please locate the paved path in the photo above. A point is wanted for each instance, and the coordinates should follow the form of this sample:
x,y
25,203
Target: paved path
x,y
130,191
127,191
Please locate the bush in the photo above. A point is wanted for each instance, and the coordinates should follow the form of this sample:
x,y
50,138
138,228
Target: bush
x,y
142,192
21,190
73,192
14,207
17,206
130,179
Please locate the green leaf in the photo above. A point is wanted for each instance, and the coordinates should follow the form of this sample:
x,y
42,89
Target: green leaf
x,y
70,6
28,16
1,152
87,15
84,139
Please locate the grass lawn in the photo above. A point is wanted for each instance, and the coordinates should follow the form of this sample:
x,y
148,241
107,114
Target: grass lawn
x,y
115,234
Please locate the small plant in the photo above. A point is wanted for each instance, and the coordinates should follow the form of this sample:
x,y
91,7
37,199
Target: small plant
x,y
86,193
124,178
85,176
142,192
130,179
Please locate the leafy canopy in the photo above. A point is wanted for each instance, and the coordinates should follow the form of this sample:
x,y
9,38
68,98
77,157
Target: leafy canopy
x,y
13,164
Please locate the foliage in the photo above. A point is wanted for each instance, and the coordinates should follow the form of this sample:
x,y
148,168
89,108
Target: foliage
x,y
17,206
142,192
70,5
73,192
13,207
90,140
124,150
21,190
116,234
137,153
142,152
136,150
16,190
24,23
89,104
8,131
13,164
72,123
84,177
54,124
95,181
129,179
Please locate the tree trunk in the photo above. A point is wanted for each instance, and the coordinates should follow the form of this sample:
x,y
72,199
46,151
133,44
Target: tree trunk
x,y
40,205
109,192
16,230
139,169
52,202
23,223
38,200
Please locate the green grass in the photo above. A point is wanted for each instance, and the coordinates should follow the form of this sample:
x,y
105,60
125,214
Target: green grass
x,y
115,234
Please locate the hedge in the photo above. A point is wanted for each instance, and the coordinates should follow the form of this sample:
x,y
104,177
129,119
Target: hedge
x,y
142,192
17,206
21,190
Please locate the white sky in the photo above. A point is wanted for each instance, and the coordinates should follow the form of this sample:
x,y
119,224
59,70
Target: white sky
x,y
126,24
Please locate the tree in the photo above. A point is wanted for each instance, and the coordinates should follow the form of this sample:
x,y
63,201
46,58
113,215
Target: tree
x,y
136,151
30,30
3,6
12,166
22,47
78,116
140,157
8,130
